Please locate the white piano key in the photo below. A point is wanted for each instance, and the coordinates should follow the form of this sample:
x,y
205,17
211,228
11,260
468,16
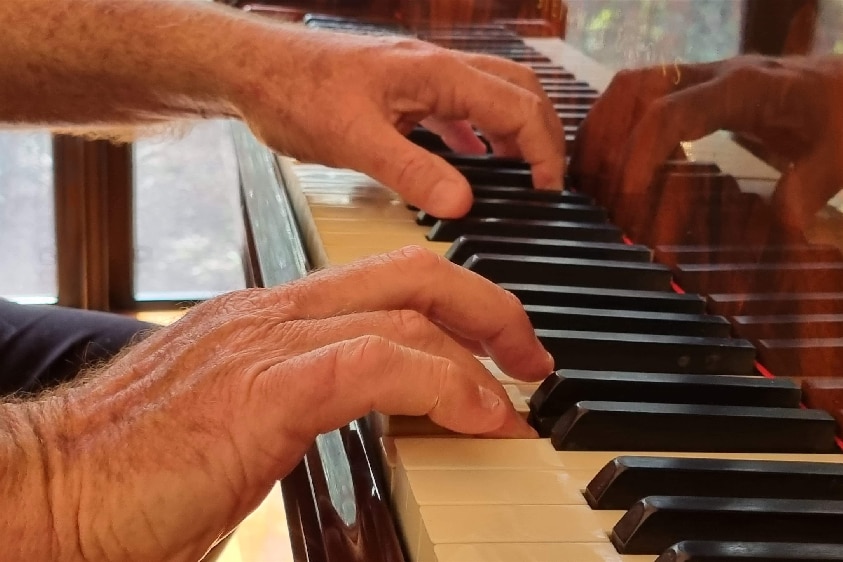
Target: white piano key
x,y
533,552
416,453
440,525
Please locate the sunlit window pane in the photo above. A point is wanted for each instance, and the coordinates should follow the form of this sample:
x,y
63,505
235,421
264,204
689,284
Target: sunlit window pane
x,y
27,234
188,227
630,33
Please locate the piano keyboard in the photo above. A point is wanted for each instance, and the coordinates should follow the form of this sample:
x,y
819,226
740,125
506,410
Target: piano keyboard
x,y
647,370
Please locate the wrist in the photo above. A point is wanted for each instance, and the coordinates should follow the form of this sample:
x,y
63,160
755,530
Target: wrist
x,y
258,65
40,517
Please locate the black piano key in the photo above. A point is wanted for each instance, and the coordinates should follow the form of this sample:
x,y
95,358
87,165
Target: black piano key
x,y
601,351
725,551
570,86
543,72
733,304
804,253
466,246
627,321
529,194
558,82
536,210
571,117
581,97
625,480
791,326
561,390
802,357
450,230
497,176
501,268
592,297
761,278
643,426
657,522
428,140
484,161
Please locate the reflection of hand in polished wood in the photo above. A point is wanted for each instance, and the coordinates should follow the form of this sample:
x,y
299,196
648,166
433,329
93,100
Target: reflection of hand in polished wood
x,y
345,101
790,105
166,449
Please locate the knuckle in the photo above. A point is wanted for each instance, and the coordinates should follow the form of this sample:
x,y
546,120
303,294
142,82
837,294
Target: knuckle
x,y
364,356
512,300
415,260
410,323
410,46
533,105
530,79
240,301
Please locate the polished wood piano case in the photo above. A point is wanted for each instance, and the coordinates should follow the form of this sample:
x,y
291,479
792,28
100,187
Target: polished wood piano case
x,y
338,499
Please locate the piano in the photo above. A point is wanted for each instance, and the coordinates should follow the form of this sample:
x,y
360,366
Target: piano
x,y
696,408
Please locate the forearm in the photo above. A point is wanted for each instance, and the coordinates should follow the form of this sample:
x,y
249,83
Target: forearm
x,y
33,521
104,62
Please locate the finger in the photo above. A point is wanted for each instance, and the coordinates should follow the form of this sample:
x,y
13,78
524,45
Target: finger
x,y
422,178
405,327
806,187
524,77
501,110
458,135
337,384
451,296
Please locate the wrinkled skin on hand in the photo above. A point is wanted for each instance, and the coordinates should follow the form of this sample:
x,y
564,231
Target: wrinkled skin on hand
x,y
167,449
365,93
791,105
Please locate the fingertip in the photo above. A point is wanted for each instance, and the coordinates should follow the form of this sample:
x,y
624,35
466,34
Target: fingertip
x,y
448,199
548,177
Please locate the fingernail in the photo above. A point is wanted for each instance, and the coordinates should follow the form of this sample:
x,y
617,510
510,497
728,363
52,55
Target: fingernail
x,y
488,399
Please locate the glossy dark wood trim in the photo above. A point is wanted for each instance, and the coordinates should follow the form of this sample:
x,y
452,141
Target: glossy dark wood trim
x,y
322,529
